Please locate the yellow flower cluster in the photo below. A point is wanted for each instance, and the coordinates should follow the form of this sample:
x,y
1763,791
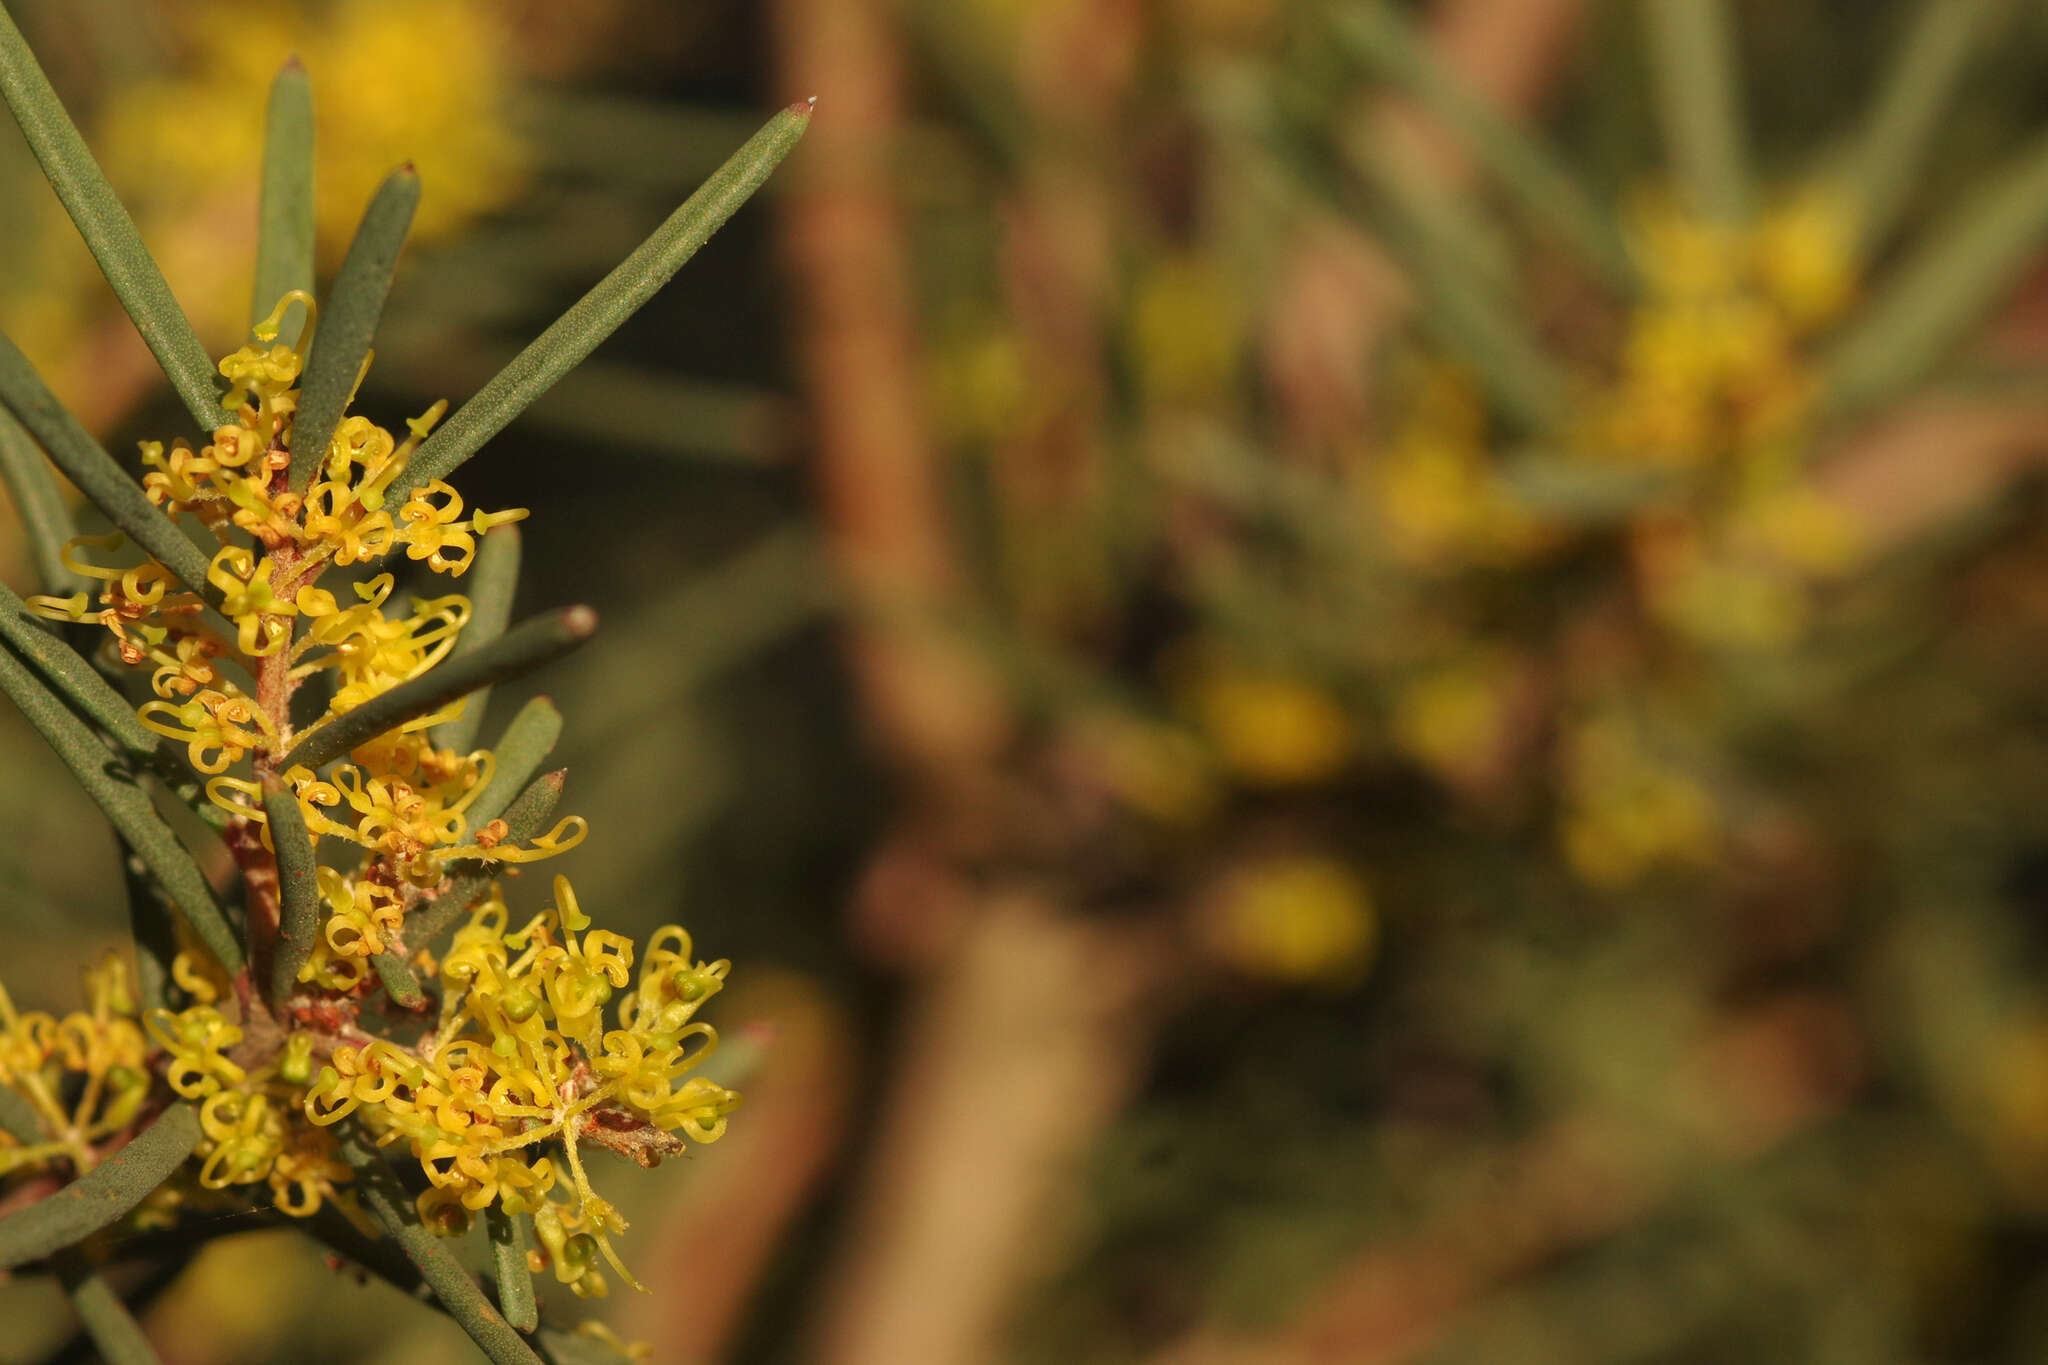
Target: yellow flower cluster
x,y
401,800
522,1059
1711,367
96,1054
523,1056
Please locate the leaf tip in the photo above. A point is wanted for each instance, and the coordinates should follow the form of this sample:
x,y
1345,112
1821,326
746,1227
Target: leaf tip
x,y
579,622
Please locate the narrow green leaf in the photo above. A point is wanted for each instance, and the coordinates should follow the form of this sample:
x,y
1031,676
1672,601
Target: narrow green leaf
x,y
349,322
107,229
460,1295
1929,305
86,463
298,887
39,504
72,676
519,752
18,1118
151,927
106,1318
1377,34
1478,326
114,789
1888,153
1692,54
491,581
616,297
515,1281
284,225
468,881
538,641
103,1194
399,980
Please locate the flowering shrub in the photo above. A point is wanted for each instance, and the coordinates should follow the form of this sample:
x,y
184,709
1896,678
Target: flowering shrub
x,y
322,724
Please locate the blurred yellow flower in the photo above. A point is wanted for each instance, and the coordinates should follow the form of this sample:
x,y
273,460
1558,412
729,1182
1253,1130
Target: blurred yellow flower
x,y
1451,720
1299,918
1626,812
1187,325
1269,729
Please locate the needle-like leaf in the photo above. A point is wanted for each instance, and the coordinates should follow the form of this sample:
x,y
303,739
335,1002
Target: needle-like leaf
x,y
298,890
515,1281
1887,154
151,926
39,504
492,582
106,227
103,1194
72,676
284,225
348,323
519,752
114,789
524,819
536,642
1380,37
1692,54
106,1318
1478,325
455,1287
1963,266
615,298
86,463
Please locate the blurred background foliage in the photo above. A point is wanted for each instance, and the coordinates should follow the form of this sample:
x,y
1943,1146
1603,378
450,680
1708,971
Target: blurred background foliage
x,y
1354,681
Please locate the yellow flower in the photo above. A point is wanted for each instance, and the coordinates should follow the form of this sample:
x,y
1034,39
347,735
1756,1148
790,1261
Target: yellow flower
x,y
1268,728
1297,918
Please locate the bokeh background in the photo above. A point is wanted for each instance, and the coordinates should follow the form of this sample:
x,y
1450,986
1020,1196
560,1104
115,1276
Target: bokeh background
x,y
1354,681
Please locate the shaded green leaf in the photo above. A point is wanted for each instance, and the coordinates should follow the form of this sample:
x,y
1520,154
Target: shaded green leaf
x,y
492,582
519,752
284,224
1888,153
103,1194
298,888
1692,55
39,504
460,1295
615,298
469,880
535,642
107,229
349,322
106,1318
1378,35
515,1281
86,463
1930,303
113,787
72,676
